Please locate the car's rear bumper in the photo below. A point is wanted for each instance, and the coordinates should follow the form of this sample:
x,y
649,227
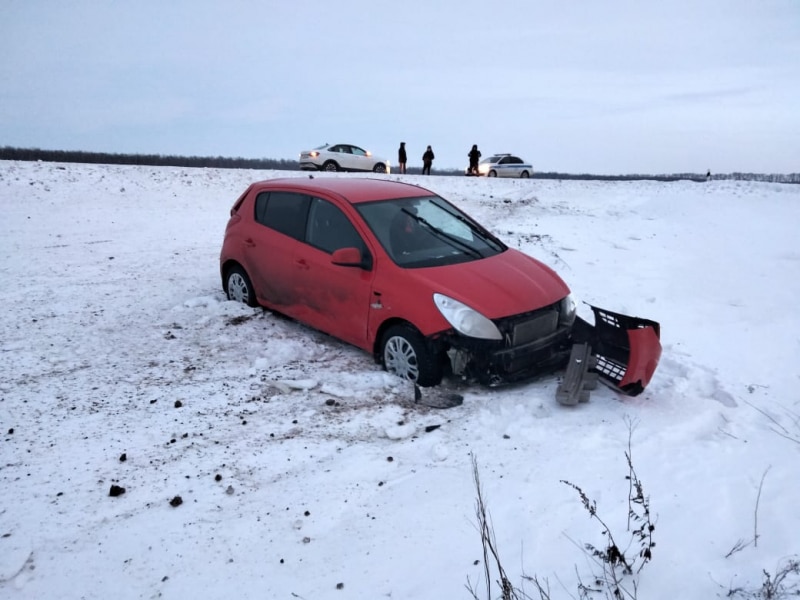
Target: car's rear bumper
x,y
309,166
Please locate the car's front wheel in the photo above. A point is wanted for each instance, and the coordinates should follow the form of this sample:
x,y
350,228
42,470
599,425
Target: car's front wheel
x,y
238,287
330,166
379,168
492,173
405,353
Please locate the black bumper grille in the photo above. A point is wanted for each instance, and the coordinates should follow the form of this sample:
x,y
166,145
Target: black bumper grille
x,y
539,325
532,343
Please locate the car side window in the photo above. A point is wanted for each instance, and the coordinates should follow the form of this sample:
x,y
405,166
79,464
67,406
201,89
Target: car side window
x,y
516,160
503,160
283,211
329,229
358,151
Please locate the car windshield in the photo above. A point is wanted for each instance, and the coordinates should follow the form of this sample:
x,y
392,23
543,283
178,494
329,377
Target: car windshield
x,y
427,232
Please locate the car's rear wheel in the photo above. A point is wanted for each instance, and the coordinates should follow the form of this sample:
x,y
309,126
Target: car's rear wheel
x,y
405,353
330,166
238,287
492,173
524,175
379,168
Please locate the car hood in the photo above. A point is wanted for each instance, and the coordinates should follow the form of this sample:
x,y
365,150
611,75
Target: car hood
x,y
505,284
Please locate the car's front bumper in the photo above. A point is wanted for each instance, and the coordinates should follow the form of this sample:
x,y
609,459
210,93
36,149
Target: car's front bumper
x,y
626,349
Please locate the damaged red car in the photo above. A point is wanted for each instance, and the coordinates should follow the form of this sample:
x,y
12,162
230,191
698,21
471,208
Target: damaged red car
x,y
404,274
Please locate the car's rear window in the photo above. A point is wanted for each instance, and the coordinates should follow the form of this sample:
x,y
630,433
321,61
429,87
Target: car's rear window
x,y
283,211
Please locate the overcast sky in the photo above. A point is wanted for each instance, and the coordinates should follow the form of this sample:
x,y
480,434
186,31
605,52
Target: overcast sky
x,y
607,87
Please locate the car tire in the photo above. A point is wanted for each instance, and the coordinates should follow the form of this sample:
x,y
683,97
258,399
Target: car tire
x,y
405,353
524,175
330,165
379,168
238,286
492,173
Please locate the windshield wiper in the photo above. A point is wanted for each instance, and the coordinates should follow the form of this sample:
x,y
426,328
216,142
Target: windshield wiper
x,y
454,241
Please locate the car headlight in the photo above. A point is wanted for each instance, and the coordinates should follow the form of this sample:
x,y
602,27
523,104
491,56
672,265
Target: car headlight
x,y
466,320
567,311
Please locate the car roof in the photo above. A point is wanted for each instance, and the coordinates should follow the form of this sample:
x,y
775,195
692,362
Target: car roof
x,y
354,190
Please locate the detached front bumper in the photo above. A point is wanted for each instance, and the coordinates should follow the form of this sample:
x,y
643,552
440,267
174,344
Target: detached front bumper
x,y
625,350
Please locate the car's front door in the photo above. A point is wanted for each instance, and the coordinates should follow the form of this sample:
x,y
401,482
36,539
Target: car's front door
x,y
334,298
503,168
361,161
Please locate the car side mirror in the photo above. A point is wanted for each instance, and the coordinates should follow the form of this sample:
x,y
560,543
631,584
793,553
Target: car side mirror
x,y
348,257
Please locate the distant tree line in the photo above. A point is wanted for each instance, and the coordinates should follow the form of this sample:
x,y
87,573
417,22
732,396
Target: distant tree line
x,y
154,160
222,162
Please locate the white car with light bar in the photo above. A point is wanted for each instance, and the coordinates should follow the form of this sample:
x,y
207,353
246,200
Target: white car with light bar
x,y
342,157
503,165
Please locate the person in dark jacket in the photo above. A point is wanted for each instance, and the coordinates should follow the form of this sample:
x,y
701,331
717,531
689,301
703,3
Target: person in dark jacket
x,y
427,161
401,157
474,157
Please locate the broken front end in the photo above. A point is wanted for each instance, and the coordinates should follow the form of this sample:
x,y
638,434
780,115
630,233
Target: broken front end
x,y
619,350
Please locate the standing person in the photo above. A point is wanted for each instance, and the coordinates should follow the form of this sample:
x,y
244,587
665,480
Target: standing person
x,y
427,161
401,157
474,156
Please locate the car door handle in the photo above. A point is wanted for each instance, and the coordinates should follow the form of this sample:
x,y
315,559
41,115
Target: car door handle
x,y
250,243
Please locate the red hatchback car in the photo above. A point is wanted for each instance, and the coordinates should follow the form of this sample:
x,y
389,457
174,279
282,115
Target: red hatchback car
x,y
405,275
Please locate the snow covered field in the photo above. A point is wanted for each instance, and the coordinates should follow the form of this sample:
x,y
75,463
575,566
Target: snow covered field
x,y
306,472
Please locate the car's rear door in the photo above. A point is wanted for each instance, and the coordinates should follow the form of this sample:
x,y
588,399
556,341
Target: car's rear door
x,y
345,158
270,249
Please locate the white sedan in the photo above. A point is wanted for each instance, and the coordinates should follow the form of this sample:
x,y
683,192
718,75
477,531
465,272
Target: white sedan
x,y
342,157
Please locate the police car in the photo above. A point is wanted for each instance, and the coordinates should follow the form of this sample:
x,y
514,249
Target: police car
x,y
503,165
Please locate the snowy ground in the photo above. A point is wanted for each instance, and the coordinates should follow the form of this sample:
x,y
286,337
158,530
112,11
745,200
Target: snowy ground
x,y
306,472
